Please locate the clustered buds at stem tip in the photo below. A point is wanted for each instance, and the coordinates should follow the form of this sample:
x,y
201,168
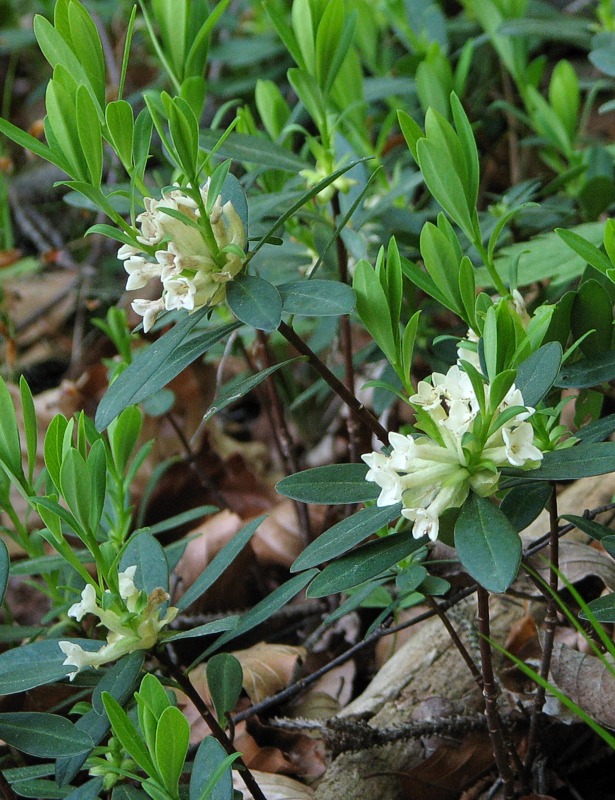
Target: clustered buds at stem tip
x,y
192,276
136,627
429,476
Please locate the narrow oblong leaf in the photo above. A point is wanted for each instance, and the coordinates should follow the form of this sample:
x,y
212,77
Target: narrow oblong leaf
x,y
36,664
240,386
339,483
488,545
225,682
364,563
43,735
344,535
219,564
581,461
588,372
157,365
172,736
317,298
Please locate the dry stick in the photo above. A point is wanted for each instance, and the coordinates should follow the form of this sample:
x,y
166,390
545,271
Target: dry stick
x,y
476,673
342,262
282,437
550,625
384,630
357,408
490,693
217,732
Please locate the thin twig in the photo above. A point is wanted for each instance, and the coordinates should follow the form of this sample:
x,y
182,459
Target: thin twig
x,y
463,651
217,732
357,408
549,637
490,694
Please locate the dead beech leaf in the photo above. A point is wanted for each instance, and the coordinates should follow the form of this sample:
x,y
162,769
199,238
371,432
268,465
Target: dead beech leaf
x,y
576,562
267,668
274,787
278,540
587,681
449,770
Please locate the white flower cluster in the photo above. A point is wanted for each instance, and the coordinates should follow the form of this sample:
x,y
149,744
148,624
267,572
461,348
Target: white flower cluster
x,y
430,476
192,275
136,629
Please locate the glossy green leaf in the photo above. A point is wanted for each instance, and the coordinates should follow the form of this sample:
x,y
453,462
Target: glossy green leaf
x,y
208,629
253,150
364,563
317,298
588,372
597,431
537,374
219,564
43,735
120,125
592,310
5,566
263,610
523,504
487,544
603,608
588,251
10,445
127,734
581,461
373,308
36,664
158,364
146,552
589,526
225,683
338,483
172,739
240,386
30,426
345,534
211,777
255,302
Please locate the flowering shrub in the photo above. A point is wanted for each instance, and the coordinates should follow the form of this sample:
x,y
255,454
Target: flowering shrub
x,y
470,439
193,267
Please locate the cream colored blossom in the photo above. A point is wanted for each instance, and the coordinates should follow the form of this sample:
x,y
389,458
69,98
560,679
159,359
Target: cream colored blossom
x,y
190,273
128,629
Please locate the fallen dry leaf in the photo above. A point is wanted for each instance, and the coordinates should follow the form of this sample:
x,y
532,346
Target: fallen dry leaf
x,y
274,787
576,562
267,668
587,681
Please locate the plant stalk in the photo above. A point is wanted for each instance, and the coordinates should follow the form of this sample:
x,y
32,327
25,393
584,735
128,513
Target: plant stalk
x,y
549,637
357,408
217,732
490,694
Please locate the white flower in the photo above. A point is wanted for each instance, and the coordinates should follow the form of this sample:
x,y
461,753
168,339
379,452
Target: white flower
x,y
140,272
149,310
519,444
427,396
128,629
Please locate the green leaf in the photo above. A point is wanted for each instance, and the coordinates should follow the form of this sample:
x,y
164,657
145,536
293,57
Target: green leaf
x,y
90,134
345,534
10,445
145,551
588,372
592,310
317,298
588,251
373,308
523,504
219,564
208,629
211,777
253,150
127,734
411,132
240,386
487,543
255,302
581,461
589,526
156,365
5,566
43,735
172,739
603,608
120,125
32,144
36,664
263,610
30,426
364,563
597,431
225,682
338,483
75,484
537,374
442,264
